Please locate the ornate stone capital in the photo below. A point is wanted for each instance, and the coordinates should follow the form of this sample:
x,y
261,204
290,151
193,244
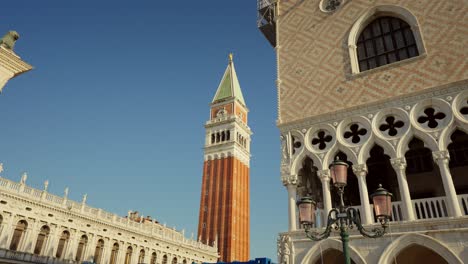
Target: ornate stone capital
x,y
442,155
360,170
398,163
289,179
324,175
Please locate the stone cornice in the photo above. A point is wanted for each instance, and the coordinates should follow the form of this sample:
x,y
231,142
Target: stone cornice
x,y
13,62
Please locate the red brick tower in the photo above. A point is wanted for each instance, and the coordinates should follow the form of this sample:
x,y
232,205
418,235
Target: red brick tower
x,y
225,200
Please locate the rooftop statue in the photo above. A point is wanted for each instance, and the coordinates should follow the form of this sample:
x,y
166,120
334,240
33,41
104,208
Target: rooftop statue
x,y
8,41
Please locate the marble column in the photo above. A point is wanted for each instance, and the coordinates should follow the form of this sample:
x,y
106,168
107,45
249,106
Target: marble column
x,y
442,159
121,253
290,181
52,241
72,245
91,248
399,165
9,229
361,172
31,238
324,176
107,251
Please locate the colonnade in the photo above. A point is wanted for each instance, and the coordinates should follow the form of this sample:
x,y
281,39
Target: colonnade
x,y
441,158
78,246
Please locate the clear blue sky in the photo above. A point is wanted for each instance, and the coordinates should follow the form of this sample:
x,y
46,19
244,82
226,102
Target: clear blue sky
x,y
116,104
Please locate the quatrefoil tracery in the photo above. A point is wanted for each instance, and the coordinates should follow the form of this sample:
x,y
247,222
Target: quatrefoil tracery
x,y
321,140
296,144
431,117
464,110
391,125
355,133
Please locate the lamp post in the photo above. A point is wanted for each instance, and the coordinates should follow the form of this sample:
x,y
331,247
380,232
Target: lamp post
x,y
344,218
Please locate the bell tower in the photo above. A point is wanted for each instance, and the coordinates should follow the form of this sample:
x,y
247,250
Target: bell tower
x,y
225,200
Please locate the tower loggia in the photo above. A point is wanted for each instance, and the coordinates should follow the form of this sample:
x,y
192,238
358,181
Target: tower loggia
x,y
225,200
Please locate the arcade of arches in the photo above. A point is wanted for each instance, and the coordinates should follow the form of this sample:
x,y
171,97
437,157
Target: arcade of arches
x,y
411,254
43,241
422,173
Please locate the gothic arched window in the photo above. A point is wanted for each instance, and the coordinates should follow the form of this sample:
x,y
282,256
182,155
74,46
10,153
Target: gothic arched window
x,y
383,41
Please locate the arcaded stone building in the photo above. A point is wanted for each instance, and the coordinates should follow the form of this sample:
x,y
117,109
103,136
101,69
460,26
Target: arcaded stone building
x,y
383,85
224,218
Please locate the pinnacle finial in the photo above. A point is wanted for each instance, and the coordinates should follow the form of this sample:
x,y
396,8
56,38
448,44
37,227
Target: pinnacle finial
x,y
230,57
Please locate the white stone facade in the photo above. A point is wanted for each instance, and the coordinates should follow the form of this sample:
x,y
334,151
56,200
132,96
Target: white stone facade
x,y
150,242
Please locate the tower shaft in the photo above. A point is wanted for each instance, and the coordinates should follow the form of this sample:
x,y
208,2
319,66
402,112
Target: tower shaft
x,y
224,217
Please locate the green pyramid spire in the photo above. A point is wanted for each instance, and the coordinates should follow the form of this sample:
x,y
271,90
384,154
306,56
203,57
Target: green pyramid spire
x,y
229,86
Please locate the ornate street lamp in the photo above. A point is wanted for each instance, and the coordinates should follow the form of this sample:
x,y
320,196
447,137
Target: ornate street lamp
x,y
344,218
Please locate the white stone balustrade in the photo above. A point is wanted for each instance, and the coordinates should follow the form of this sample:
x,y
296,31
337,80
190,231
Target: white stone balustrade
x,y
155,229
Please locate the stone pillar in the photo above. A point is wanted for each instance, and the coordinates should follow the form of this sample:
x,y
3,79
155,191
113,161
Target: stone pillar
x,y
89,251
135,254
31,238
106,253
361,172
122,251
442,159
159,257
52,241
290,181
324,176
7,232
399,165
72,245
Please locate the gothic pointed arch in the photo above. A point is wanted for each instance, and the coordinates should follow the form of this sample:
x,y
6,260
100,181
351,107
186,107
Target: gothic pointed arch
x,y
314,253
351,193
391,252
309,183
339,148
458,151
380,171
297,163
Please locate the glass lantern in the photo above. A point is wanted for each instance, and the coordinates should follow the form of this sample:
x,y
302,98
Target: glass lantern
x,y
339,172
306,207
382,200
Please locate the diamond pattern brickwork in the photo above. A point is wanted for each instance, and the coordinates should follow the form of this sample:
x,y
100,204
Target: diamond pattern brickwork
x,y
314,63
